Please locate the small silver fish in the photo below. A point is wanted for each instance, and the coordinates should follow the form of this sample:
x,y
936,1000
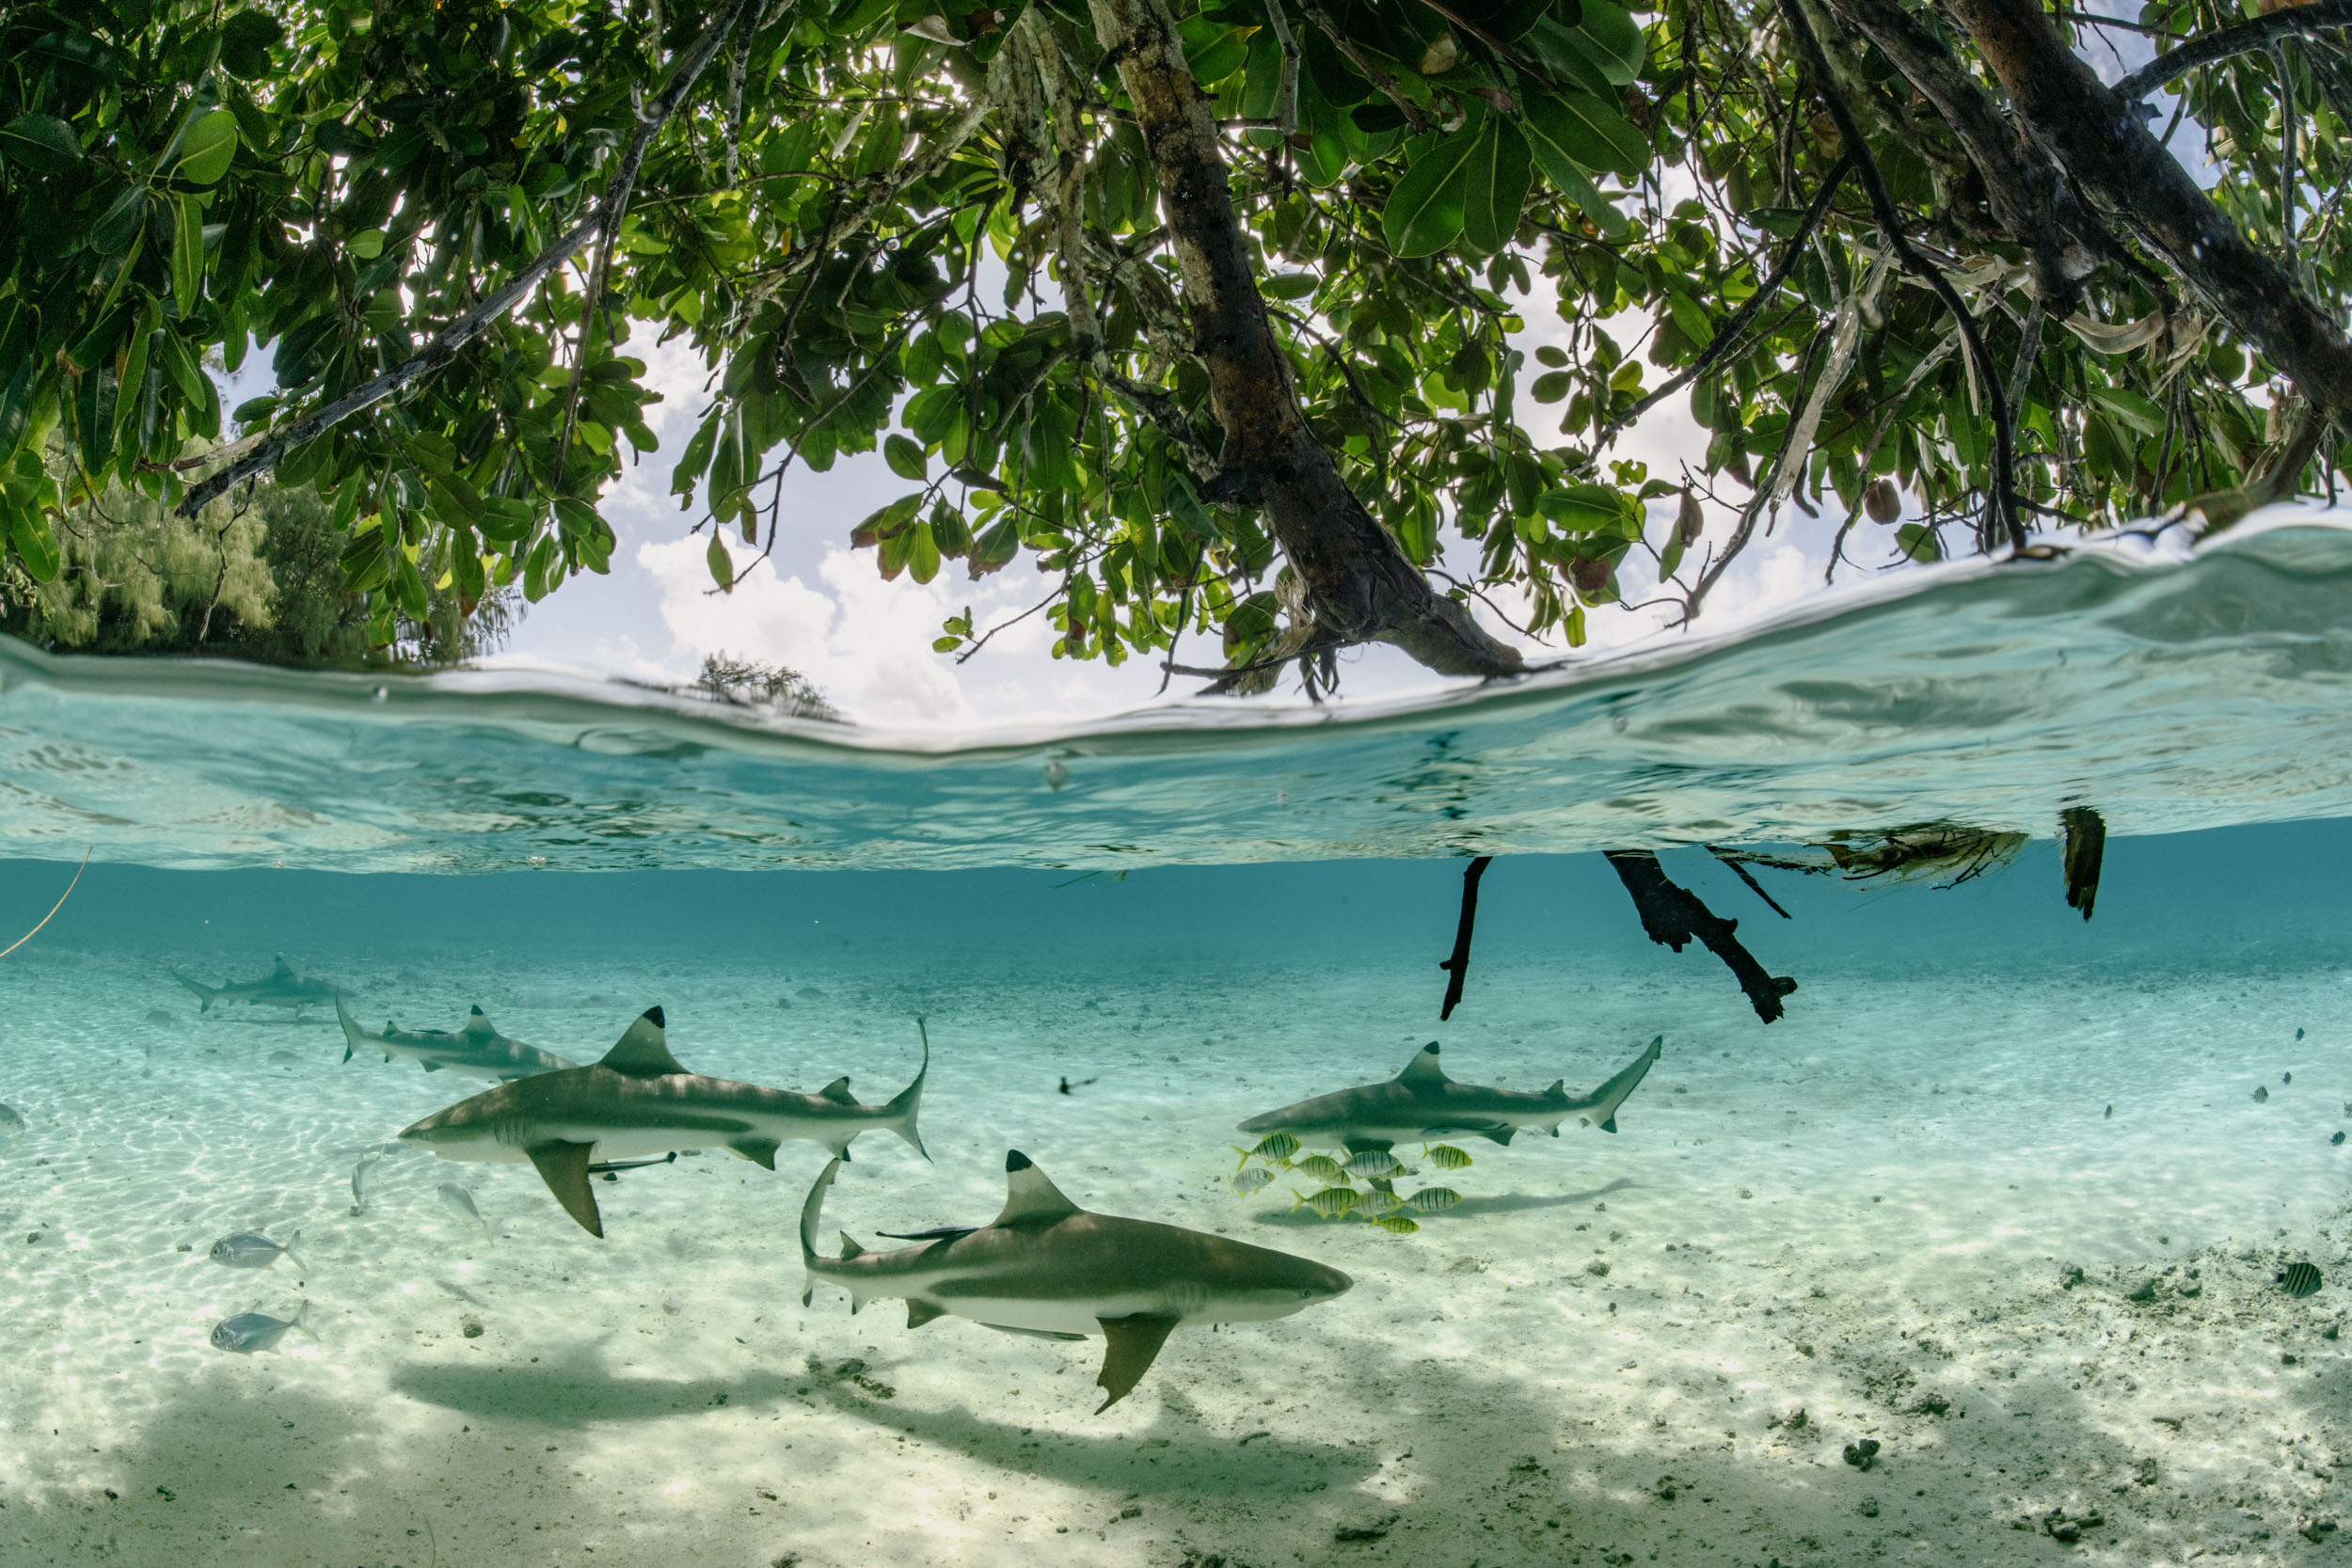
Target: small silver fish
x,y
458,1200
250,1249
251,1331
1248,1182
360,1180
10,1123
1372,1162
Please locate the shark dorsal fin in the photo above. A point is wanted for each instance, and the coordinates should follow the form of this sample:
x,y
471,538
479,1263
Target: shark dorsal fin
x,y
280,967
838,1092
849,1248
477,1023
1423,1067
1559,1089
643,1051
1029,1197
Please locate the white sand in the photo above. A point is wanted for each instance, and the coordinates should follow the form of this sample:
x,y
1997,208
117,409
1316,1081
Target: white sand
x,y
1860,1213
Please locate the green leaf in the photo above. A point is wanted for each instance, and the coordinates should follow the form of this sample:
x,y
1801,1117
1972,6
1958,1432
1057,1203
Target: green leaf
x,y
1917,540
246,41
2129,406
1496,187
1588,132
1550,387
1583,508
187,256
1427,208
906,458
722,563
42,143
35,545
206,148
695,458
1289,285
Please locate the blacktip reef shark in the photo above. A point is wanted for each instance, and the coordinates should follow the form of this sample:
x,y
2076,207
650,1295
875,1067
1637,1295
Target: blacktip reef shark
x,y
1421,1102
639,1101
1048,1268
281,988
476,1051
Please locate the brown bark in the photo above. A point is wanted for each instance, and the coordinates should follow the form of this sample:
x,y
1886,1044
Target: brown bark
x,y
1360,585
2104,145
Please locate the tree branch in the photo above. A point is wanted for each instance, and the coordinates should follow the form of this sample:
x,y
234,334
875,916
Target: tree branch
x,y
1673,915
2001,505
1457,966
445,345
2118,163
1359,587
2322,16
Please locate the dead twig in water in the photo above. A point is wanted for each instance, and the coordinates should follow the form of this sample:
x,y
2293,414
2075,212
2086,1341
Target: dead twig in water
x,y
53,908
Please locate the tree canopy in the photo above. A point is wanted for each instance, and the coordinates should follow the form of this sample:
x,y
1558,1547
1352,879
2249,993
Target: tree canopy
x,y
1209,308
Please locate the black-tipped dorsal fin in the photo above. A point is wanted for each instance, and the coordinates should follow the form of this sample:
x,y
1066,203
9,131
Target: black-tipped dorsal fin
x,y
478,1023
838,1092
643,1052
1423,1067
849,1248
280,965
1029,1197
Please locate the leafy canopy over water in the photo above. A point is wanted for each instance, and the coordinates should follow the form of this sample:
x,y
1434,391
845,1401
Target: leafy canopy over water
x,y
935,229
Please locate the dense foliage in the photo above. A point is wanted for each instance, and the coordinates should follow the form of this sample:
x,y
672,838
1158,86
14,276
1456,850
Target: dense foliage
x,y
941,229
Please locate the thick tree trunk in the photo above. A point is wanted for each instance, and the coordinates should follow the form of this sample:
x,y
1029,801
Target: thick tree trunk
x,y
1360,585
2104,145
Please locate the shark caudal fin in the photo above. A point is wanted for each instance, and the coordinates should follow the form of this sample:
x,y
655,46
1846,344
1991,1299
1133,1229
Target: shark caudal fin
x,y
812,1216
908,1100
1601,1109
205,995
354,1037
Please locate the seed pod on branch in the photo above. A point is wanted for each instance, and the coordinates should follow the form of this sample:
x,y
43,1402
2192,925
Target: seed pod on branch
x,y
1883,500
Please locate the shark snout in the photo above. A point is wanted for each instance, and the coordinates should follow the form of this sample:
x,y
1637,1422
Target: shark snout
x,y
1323,1284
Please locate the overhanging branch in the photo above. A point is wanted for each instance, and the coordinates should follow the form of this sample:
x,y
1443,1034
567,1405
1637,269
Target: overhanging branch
x,y
2246,38
445,345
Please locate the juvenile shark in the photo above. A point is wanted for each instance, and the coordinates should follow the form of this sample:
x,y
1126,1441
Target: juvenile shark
x,y
639,1101
1049,1268
281,988
1421,1102
476,1051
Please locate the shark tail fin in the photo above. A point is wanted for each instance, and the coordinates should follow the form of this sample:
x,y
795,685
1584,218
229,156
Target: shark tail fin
x,y
205,995
354,1037
813,1215
1602,1108
909,1102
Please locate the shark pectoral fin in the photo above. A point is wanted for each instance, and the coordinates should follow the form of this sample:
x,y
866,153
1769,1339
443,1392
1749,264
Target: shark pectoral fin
x,y
759,1151
429,1064
838,1092
921,1312
563,1166
1497,1134
1134,1343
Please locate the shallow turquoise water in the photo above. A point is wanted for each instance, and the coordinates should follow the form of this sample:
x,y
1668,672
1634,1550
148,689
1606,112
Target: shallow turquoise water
x,y
1997,1194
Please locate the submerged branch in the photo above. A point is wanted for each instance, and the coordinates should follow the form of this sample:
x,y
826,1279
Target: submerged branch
x,y
2086,847
1673,915
1458,967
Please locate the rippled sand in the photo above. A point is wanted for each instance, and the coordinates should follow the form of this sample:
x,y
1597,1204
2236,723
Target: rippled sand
x,y
1863,1215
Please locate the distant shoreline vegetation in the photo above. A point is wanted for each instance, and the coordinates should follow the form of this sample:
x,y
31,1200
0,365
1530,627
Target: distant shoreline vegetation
x,y
257,576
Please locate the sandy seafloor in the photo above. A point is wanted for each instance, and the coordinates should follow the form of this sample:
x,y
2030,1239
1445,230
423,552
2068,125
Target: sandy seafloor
x,y
1861,1214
